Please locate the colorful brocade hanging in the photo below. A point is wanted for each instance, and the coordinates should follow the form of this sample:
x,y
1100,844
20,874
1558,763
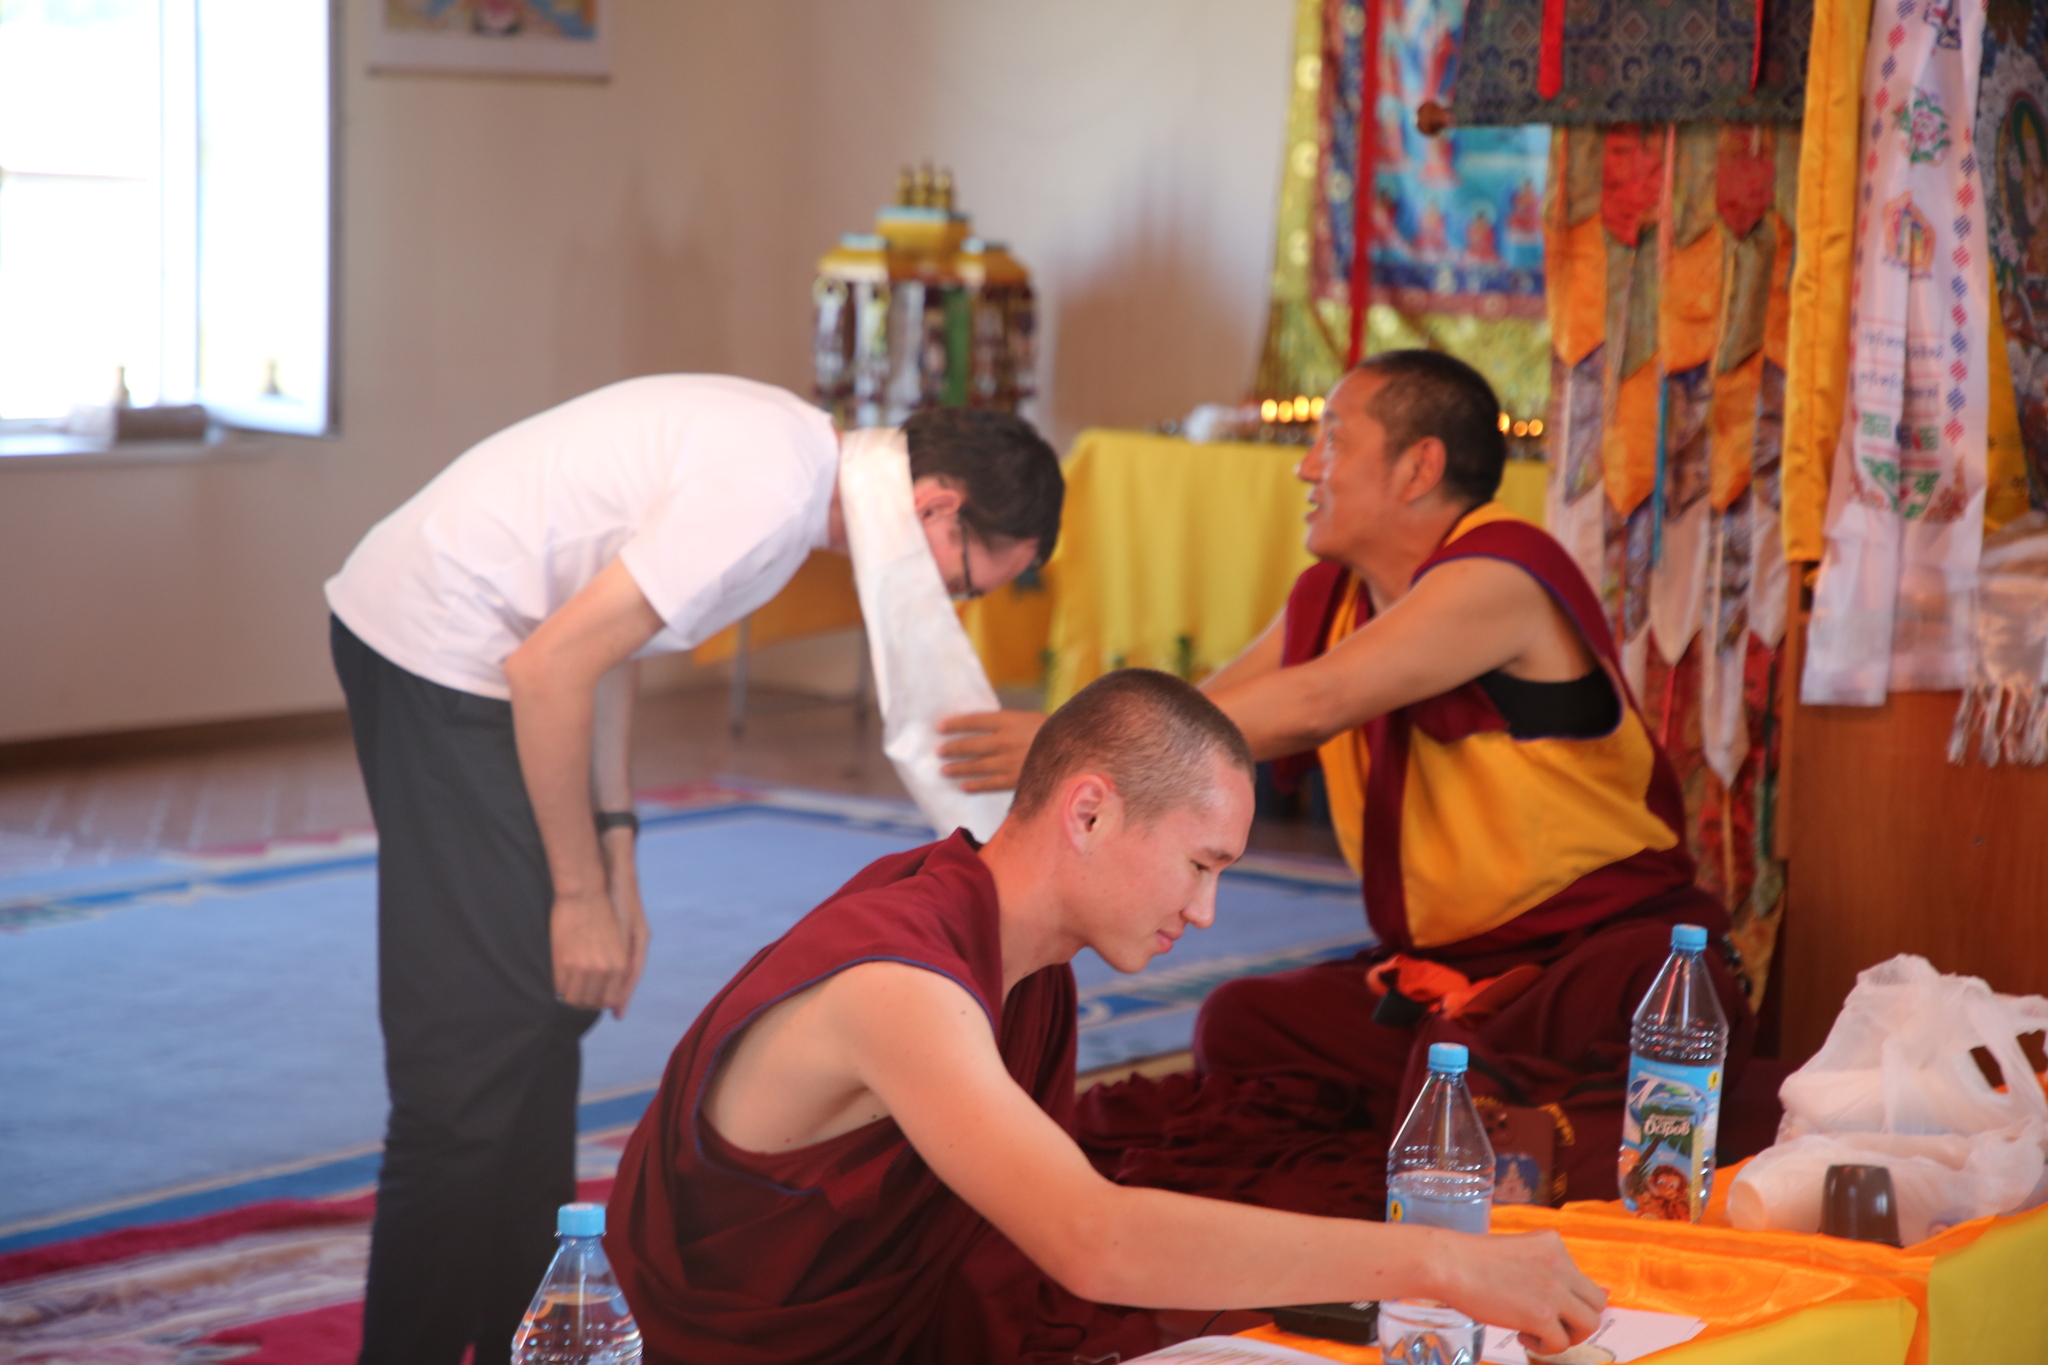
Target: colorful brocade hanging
x,y
1905,519
1454,233
1669,251
1551,61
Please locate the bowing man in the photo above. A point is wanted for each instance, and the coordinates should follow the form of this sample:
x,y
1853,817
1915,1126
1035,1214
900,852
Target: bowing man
x,y
860,1151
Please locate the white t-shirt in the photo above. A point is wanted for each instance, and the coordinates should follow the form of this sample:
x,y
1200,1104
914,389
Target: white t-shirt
x,y
712,490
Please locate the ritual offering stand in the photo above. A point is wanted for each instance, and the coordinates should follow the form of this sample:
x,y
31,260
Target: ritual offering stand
x,y
920,313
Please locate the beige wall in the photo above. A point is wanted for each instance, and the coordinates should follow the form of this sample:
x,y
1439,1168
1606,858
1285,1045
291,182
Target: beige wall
x,y
509,244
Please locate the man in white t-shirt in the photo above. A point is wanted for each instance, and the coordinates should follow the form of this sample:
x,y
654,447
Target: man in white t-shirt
x,y
484,634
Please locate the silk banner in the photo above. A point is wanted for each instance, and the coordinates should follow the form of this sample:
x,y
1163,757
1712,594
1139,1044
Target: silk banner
x,y
1669,255
1905,517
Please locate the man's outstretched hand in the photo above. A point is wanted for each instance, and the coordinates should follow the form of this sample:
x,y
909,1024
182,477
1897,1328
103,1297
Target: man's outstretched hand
x,y
1526,1281
989,753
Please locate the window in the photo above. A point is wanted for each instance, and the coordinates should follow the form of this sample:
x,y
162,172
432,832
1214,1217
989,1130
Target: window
x,y
165,208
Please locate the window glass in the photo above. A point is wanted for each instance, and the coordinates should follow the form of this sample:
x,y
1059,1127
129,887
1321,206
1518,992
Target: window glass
x,y
80,232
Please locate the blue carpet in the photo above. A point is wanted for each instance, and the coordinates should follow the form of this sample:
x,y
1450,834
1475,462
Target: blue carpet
x,y
178,1037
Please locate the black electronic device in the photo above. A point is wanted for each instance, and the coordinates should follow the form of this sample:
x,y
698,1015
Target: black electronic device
x,y
1355,1323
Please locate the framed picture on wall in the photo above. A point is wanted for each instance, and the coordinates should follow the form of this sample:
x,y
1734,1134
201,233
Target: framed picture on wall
x,y
562,38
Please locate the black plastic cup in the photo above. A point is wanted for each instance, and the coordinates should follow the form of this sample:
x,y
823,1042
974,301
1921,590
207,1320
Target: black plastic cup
x,y
1857,1203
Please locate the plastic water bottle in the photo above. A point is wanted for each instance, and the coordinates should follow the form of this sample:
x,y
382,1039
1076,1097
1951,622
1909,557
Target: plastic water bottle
x,y
1440,1174
1677,1048
579,1317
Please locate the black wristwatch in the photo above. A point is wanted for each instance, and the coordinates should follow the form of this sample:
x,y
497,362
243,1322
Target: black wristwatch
x,y
618,819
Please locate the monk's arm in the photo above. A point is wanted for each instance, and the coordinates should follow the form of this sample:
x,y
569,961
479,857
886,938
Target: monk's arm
x,y
922,1045
1462,619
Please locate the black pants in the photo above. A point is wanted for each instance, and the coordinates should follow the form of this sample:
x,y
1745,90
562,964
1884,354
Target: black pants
x,y
482,1060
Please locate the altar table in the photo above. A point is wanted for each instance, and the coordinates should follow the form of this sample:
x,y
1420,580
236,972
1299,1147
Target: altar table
x,y
1175,555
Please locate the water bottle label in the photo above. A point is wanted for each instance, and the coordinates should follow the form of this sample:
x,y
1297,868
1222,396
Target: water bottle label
x,y
1667,1138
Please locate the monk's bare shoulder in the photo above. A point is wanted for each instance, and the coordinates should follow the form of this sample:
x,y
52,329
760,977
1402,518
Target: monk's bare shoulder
x,y
797,1074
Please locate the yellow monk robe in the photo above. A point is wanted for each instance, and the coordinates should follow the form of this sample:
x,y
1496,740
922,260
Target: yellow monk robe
x,y
1470,839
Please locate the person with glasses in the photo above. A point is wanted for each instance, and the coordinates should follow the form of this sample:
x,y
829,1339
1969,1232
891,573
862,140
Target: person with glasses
x,y
485,635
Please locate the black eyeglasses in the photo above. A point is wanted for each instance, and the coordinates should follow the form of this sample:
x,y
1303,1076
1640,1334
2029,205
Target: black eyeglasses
x,y
968,592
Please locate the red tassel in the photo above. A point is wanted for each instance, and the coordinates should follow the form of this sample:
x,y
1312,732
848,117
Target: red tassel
x,y
1363,190
1756,58
1550,55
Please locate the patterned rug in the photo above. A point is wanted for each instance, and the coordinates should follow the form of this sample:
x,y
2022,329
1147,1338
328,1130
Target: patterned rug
x,y
189,1053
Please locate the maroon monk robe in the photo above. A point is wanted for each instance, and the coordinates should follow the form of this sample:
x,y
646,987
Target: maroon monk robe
x,y
851,1250
1298,1088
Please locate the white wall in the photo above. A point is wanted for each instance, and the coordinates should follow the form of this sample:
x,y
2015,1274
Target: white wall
x,y
509,244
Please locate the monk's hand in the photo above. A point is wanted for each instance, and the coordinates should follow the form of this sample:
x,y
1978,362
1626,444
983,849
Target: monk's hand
x,y
592,956
1526,1281
989,753
622,877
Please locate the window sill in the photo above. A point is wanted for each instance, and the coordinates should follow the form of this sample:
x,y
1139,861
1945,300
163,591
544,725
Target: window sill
x,y
45,449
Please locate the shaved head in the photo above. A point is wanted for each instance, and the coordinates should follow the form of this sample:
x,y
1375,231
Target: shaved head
x,y
1153,736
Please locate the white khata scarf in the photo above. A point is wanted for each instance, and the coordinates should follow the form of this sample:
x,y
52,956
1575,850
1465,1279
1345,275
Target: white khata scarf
x,y
925,666
1905,518
2005,706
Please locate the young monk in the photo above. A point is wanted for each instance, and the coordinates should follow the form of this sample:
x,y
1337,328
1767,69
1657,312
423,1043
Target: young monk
x,y
1519,833
860,1150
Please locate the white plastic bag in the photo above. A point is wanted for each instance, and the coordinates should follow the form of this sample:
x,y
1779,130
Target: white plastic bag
x,y
1937,1181
1898,1058
1895,1085
925,666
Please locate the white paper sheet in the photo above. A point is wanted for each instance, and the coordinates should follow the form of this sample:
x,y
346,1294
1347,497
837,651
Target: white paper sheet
x,y
1230,1351
1624,1334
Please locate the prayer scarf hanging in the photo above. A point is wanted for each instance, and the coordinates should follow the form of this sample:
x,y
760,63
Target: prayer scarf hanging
x,y
1906,499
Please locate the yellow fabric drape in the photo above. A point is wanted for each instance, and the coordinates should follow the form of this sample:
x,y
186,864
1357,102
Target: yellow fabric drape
x,y
1303,352
1817,363
2005,453
1008,629
1173,556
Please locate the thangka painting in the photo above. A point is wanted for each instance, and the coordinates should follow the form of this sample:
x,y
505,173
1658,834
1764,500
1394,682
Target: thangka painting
x,y
1670,253
1455,232
567,38
2012,151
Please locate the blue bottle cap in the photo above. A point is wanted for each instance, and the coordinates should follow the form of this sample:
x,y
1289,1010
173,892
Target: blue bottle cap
x,y
580,1220
1450,1058
1690,937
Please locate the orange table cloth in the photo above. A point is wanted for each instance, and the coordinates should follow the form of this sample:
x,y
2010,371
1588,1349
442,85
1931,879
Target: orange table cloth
x,y
1977,1293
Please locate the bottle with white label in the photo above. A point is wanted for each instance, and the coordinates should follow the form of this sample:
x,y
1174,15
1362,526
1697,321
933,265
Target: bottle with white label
x,y
1677,1048
1439,1173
